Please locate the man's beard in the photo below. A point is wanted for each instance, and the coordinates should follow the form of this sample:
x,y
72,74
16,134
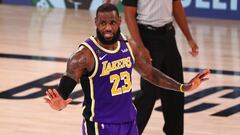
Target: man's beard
x,y
108,42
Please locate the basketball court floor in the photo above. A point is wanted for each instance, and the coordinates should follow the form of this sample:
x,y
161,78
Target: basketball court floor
x,y
34,47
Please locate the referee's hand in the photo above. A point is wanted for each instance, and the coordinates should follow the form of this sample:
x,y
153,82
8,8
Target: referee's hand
x,y
194,48
146,55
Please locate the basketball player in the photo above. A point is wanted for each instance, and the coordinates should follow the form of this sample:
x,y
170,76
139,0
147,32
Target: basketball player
x,y
103,64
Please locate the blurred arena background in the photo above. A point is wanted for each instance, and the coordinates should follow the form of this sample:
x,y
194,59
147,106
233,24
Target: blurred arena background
x,y
37,37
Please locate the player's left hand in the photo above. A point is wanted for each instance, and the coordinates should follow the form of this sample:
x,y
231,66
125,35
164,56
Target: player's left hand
x,y
196,81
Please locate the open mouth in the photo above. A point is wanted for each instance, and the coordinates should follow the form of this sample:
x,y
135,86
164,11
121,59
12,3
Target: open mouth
x,y
108,36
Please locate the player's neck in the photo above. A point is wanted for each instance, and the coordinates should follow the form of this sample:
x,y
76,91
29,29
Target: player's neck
x,y
108,47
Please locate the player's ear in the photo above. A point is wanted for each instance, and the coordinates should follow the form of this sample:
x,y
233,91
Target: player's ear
x,y
120,19
95,21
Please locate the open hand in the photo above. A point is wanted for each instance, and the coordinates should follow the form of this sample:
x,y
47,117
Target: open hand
x,y
196,81
55,101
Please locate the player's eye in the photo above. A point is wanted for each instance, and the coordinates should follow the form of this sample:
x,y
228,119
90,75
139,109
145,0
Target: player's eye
x,y
113,22
103,23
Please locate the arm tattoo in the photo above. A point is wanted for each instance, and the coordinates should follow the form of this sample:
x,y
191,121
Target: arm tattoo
x,y
160,79
76,66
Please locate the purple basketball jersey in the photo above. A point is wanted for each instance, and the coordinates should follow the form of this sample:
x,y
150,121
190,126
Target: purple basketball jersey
x,y
108,89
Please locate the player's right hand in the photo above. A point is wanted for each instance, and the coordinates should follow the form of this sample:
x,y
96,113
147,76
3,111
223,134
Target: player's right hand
x,y
197,80
55,101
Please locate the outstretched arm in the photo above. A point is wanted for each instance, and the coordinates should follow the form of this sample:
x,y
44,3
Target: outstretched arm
x,y
159,79
79,63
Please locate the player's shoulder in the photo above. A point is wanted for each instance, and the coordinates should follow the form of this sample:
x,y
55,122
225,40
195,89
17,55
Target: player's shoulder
x,y
132,43
122,37
83,51
82,56
86,46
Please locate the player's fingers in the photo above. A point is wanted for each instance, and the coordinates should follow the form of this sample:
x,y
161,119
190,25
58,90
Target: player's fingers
x,y
56,94
69,100
204,79
51,93
203,73
207,71
46,100
48,94
199,74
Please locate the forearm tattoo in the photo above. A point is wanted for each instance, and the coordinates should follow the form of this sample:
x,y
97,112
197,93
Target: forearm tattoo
x,y
162,80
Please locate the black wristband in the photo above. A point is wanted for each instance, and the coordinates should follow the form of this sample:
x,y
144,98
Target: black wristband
x,y
66,86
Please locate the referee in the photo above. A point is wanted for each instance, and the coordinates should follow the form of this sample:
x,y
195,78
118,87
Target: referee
x,y
150,25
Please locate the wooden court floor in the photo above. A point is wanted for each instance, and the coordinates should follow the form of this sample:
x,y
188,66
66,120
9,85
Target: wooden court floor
x,y
34,47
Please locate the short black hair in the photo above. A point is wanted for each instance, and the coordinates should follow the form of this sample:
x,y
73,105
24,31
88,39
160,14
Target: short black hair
x,y
107,7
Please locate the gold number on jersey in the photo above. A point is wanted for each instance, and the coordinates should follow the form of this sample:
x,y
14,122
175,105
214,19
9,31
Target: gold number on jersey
x,y
115,79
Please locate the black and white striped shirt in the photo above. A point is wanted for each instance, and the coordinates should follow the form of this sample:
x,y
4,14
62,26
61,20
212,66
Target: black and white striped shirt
x,y
152,12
